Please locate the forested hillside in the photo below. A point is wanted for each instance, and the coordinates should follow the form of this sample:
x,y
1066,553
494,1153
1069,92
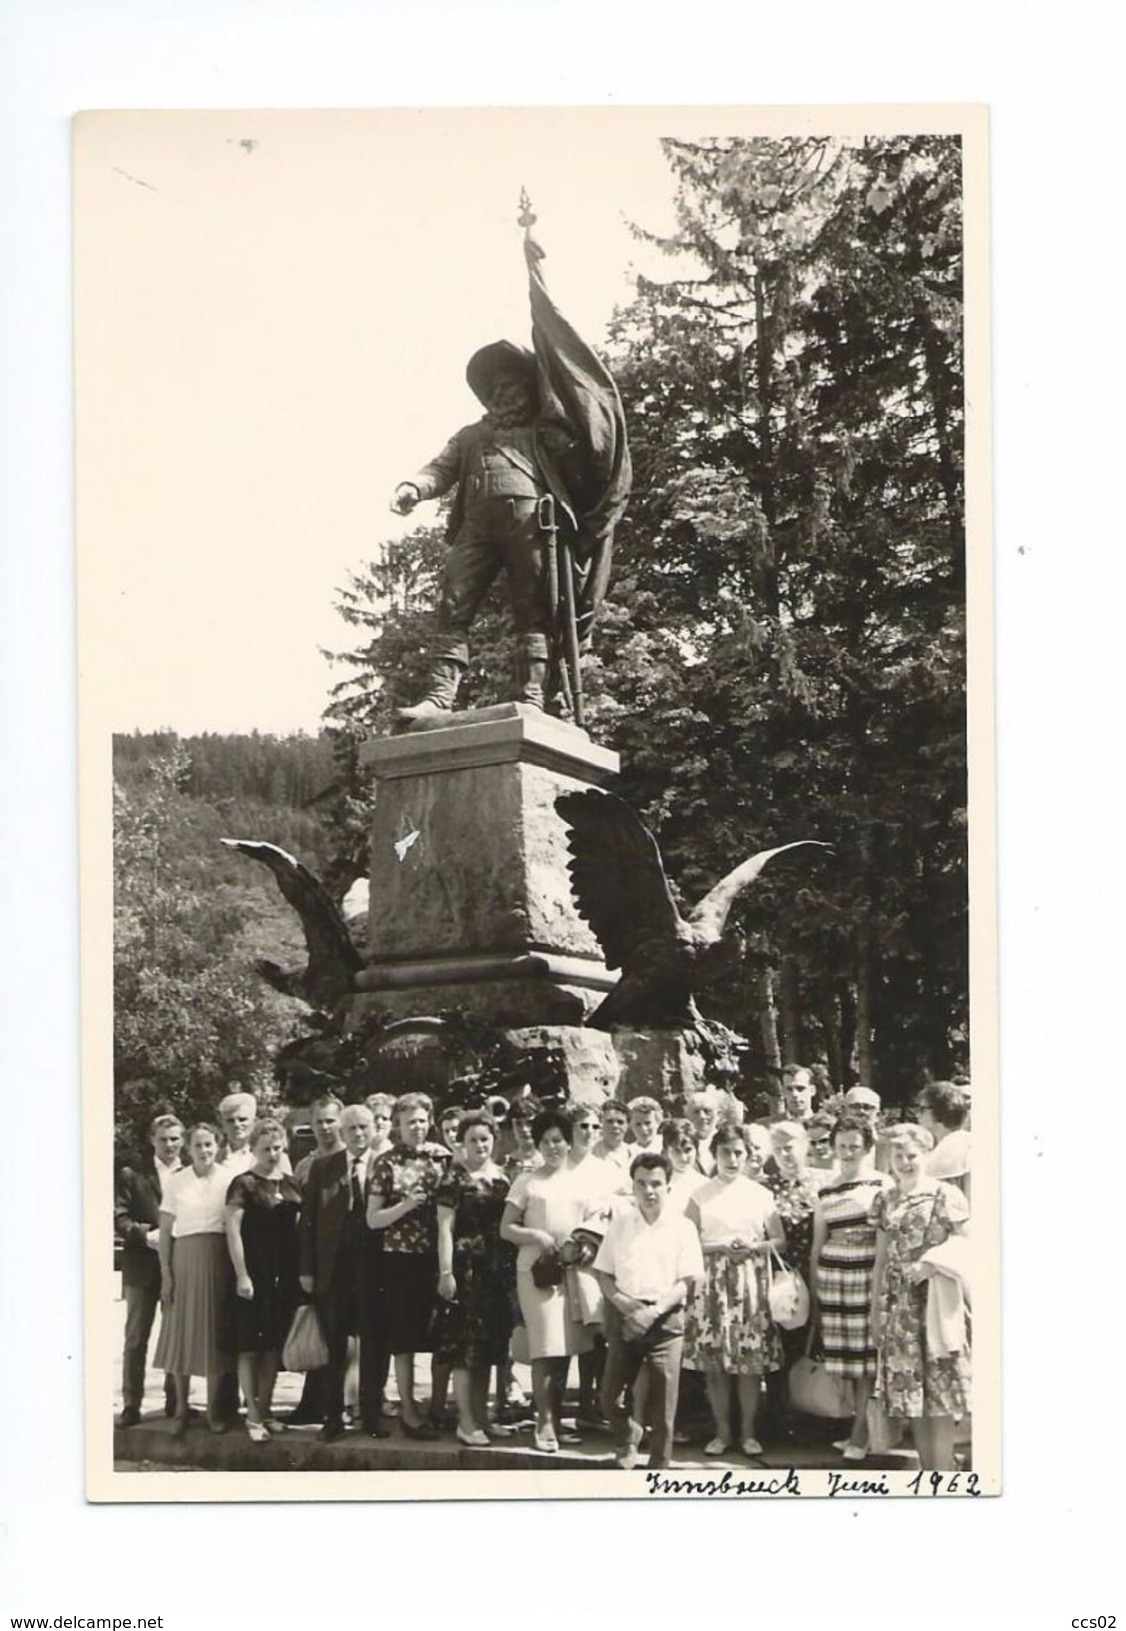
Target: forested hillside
x,y
192,1017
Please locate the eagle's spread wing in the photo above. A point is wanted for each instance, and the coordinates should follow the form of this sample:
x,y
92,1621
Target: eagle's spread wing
x,y
617,878
710,914
333,958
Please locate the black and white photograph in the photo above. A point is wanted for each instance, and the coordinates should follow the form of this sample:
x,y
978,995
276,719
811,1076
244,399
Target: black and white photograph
x,y
527,571
756,787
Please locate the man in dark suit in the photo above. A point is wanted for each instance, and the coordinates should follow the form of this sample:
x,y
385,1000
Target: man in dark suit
x,y
136,1220
339,1268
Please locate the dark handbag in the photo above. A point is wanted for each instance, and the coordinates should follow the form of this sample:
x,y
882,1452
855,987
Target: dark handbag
x,y
581,1249
445,1320
548,1271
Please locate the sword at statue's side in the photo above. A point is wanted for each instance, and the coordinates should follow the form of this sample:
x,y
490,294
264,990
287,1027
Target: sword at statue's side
x,y
564,655
573,663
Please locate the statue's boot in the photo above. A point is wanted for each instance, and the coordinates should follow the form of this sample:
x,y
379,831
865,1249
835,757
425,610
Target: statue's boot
x,y
533,669
441,694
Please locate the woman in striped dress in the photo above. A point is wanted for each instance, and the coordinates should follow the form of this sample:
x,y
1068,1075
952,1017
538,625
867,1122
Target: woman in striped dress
x,y
844,1256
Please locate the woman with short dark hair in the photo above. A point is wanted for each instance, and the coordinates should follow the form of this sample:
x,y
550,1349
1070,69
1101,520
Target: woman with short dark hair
x,y
943,1108
844,1256
522,1155
678,1136
401,1190
729,1334
262,1205
541,1213
472,1265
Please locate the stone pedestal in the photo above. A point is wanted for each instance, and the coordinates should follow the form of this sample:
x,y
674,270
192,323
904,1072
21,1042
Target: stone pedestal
x,y
471,903
659,1064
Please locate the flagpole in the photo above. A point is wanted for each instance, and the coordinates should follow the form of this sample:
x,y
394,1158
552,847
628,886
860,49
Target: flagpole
x,y
565,658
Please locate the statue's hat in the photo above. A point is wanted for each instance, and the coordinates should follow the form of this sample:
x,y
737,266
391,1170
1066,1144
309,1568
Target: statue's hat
x,y
502,357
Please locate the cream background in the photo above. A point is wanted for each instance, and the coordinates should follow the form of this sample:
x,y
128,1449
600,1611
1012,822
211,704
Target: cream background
x,y
273,317
1045,1551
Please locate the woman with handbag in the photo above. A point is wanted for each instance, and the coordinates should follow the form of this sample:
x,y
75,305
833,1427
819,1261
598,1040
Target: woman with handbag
x,y
918,1379
261,1223
729,1334
472,1272
794,1186
844,1256
542,1211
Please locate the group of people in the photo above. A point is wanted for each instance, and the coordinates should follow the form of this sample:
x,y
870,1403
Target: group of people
x,y
647,1247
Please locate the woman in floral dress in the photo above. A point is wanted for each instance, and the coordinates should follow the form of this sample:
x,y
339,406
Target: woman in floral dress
x,y
794,1186
729,1334
473,1268
930,1389
401,1189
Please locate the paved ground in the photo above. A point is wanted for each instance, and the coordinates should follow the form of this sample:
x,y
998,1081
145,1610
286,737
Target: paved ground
x,y
150,1446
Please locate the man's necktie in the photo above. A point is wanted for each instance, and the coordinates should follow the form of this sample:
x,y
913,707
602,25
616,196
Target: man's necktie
x,y
357,1191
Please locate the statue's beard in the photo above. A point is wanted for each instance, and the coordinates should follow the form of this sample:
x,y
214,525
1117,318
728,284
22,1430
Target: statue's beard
x,y
510,417
511,404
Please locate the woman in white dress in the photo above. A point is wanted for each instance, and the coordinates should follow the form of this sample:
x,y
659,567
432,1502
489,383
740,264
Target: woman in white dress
x,y
542,1211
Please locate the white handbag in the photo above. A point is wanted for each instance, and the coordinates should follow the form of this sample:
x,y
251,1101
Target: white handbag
x,y
786,1294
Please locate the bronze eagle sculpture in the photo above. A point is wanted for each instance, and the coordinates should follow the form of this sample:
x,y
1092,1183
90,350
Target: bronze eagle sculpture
x,y
334,957
621,889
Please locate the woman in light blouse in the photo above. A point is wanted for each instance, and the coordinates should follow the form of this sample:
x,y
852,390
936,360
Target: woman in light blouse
x,y
195,1277
729,1333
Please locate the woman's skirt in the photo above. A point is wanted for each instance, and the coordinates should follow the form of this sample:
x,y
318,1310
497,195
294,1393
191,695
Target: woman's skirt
x,y
408,1298
728,1325
553,1331
195,1327
844,1295
477,1327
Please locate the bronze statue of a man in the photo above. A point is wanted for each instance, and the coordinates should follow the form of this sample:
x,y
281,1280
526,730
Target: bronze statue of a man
x,y
497,521
541,481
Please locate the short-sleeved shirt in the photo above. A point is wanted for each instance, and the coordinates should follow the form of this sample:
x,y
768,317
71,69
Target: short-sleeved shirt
x,y
682,1187
196,1204
393,1176
950,1157
735,1209
598,1177
647,1259
557,1202
619,1157
924,1218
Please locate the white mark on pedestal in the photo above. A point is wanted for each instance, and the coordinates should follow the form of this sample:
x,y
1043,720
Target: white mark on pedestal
x,y
402,845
